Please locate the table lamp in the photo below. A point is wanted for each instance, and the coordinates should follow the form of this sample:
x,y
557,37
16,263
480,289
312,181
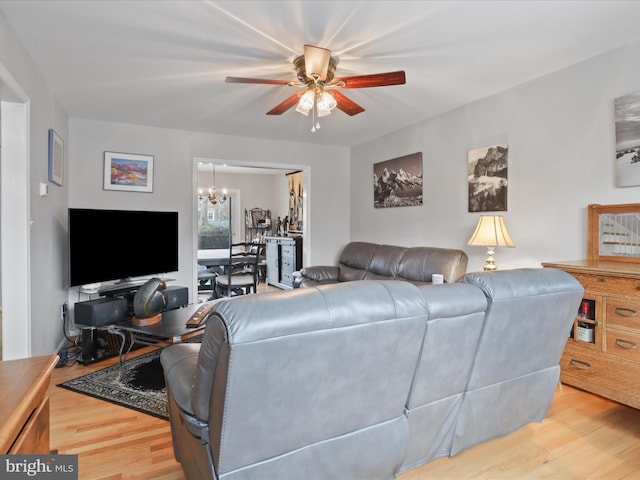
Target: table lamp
x,y
491,233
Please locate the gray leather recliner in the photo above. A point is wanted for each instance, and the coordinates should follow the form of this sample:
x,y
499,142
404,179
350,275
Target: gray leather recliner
x,y
301,384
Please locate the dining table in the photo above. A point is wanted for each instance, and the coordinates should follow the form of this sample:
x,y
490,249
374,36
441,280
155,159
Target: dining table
x,y
214,257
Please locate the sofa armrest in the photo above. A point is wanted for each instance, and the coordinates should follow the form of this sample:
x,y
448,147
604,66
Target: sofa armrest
x,y
316,275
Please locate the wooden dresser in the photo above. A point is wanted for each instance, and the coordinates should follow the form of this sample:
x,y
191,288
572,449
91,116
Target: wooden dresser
x,y
605,361
24,425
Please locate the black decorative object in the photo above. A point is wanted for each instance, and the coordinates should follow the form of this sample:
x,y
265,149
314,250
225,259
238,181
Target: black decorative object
x,y
149,301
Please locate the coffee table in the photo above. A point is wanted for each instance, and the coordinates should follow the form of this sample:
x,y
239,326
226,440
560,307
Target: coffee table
x,y
171,329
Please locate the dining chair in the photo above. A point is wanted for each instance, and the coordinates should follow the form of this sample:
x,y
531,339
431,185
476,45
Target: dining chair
x,y
206,277
260,250
241,272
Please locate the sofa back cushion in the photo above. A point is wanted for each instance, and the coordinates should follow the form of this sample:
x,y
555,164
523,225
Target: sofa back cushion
x,y
355,259
317,362
385,262
456,316
419,263
516,369
529,316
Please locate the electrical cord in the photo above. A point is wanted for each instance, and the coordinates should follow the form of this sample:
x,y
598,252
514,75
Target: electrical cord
x,y
69,353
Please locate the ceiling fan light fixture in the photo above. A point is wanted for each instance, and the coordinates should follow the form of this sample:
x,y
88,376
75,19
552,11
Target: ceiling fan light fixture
x,y
325,104
305,105
316,62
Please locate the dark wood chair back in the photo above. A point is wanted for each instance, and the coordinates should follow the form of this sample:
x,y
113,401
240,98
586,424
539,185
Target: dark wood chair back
x,y
241,272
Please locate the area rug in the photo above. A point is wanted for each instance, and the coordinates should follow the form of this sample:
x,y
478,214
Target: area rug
x,y
142,388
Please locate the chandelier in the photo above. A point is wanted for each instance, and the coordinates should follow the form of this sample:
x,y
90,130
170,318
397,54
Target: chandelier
x,y
212,195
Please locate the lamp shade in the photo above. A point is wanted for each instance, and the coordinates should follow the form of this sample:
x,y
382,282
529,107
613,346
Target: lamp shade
x,y
491,232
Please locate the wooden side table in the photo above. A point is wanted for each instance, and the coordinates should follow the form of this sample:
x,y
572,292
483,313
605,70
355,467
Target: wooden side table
x,y
24,426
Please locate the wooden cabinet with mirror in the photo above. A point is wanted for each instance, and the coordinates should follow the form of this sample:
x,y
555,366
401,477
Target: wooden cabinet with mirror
x,y
602,354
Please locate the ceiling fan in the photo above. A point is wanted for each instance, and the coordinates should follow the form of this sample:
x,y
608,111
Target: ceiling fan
x,y
319,88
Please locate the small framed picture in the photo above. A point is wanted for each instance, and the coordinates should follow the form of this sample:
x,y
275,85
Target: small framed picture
x,y
128,172
56,157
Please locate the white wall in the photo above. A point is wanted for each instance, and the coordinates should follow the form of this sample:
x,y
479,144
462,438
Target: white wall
x,y
173,189
561,137
46,239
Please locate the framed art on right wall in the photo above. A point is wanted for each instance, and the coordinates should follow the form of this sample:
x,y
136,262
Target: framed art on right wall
x,y
627,118
487,176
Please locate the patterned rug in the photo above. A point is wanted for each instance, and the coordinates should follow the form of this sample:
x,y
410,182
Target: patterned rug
x,y
142,388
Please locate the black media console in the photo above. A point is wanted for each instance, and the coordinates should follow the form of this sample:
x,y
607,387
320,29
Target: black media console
x,y
94,316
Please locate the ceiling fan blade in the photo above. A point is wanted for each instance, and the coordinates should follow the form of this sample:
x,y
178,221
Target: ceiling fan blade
x,y
345,104
316,62
366,81
264,81
286,105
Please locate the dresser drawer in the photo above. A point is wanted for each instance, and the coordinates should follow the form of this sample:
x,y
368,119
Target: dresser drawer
x,y
621,312
287,278
287,266
623,344
606,375
603,284
34,438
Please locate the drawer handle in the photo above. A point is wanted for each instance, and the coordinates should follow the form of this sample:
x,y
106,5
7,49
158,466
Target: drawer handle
x,y
628,344
602,280
626,312
580,365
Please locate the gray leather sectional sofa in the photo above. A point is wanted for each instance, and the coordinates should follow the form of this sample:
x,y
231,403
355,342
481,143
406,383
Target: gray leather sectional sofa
x,y
366,379
372,261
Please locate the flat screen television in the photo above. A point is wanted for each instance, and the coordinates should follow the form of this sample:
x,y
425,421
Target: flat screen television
x,y
106,245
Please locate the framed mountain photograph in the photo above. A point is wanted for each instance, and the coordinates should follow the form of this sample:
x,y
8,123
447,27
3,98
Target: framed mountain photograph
x,y
627,120
487,176
398,182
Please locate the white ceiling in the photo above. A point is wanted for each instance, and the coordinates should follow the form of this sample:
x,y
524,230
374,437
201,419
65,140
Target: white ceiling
x,y
163,63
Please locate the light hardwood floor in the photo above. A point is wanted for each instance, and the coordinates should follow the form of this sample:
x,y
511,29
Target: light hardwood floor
x,y
583,437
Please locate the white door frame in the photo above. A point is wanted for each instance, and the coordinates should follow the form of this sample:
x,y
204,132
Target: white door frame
x,y
15,218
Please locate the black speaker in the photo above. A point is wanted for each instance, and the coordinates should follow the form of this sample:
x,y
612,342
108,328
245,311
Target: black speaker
x,y
175,297
101,311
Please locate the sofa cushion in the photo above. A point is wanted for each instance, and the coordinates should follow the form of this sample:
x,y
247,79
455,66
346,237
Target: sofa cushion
x,y
355,259
385,261
419,263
